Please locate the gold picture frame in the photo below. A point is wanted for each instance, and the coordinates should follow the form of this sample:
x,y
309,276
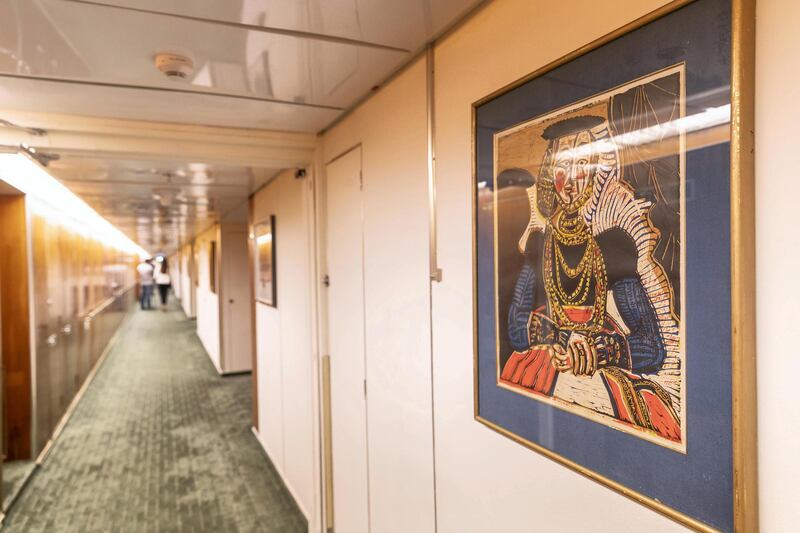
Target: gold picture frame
x,y
742,228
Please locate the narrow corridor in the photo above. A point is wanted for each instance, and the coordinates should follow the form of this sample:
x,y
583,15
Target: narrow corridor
x,y
159,442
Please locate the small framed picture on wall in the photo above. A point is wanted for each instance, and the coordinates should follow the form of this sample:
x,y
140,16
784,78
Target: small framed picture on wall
x,y
265,279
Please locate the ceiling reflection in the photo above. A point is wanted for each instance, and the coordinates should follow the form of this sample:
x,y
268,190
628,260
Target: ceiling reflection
x,y
395,24
156,203
324,54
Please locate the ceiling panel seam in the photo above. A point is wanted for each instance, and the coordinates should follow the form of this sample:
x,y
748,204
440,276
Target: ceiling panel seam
x,y
55,124
115,85
248,27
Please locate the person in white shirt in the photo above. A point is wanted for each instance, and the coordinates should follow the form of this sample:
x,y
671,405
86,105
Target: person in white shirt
x,y
163,282
146,270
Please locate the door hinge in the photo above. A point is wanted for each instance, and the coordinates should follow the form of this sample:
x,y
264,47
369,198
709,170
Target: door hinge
x,y
360,180
365,388
326,280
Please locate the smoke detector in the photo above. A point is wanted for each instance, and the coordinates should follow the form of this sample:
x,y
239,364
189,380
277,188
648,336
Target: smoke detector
x,y
174,66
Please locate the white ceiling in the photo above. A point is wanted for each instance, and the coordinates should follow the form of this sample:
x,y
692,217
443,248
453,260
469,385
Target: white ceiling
x,y
295,66
402,24
279,65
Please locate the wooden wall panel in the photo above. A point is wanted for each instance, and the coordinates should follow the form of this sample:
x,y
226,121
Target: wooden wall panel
x,y
43,304
16,327
73,277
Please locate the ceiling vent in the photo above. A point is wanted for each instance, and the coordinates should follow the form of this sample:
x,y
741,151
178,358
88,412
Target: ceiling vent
x,y
174,66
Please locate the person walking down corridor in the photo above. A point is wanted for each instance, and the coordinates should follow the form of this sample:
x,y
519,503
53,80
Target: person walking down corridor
x,y
163,282
146,270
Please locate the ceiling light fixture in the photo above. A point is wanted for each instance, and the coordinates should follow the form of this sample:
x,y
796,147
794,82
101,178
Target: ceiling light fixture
x,y
51,199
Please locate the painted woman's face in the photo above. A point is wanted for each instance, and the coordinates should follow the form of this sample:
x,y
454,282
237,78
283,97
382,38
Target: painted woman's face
x,y
572,166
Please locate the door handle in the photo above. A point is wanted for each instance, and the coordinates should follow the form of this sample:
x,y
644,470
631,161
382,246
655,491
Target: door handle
x,y
230,301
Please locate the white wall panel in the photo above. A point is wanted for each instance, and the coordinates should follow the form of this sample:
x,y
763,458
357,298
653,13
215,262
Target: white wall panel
x,y
187,286
175,274
208,320
778,246
391,128
285,340
270,382
294,281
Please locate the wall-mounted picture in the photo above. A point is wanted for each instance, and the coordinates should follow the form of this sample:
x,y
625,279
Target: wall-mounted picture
x,y
264,237
212,266
603,263
591,324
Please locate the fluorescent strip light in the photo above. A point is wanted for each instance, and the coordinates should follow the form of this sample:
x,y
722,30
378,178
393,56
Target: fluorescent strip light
x,y
51,199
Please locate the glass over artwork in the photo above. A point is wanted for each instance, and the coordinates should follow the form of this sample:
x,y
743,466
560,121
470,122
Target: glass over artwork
x,y
589,287
264,234
603,250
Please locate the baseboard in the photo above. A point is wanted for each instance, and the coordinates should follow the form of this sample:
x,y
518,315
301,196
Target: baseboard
x,y
235,373
284,481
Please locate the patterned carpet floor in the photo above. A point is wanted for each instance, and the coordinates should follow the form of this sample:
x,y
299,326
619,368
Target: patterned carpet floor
x,y
159,443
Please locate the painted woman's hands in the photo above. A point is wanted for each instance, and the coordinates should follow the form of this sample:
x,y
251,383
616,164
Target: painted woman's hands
x,y
579,356
560,358
583,354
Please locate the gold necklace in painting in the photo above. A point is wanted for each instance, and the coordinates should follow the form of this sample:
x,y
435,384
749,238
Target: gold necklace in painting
x,y
570,229
591,268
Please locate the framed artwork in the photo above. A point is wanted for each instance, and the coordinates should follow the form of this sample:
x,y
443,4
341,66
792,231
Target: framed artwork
x,y
212,266
613,262
264,236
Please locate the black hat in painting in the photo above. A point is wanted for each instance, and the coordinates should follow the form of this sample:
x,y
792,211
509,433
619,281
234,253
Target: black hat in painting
x,y
571,126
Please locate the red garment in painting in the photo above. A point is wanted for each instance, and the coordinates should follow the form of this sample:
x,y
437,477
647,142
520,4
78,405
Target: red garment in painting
x,y
532,370
635,400
641,402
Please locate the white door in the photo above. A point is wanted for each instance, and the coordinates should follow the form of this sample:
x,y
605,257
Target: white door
x,y
345,257
236,291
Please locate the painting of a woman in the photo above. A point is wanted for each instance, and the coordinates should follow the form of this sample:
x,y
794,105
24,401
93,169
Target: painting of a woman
x,y
592,321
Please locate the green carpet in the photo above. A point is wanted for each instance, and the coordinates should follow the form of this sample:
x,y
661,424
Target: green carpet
x,y
159,443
